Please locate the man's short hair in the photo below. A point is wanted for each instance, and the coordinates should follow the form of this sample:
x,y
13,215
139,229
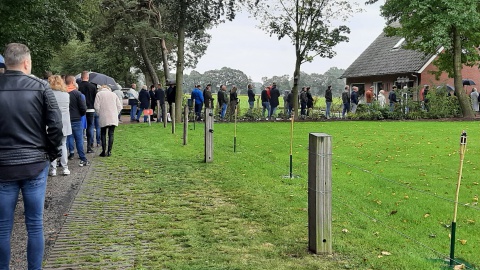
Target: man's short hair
x,y
394,87
15,54
84,74
69,79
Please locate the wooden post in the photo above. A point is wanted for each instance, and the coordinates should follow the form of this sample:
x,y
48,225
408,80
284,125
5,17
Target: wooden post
x,y
185,125
172,115
165,119
320,193
208,135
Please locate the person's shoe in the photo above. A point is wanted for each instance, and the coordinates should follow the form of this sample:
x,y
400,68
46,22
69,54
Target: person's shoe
x,y
66,171
102,154
109,154
84,163
98,145
53,172
89,151
70,156
138,121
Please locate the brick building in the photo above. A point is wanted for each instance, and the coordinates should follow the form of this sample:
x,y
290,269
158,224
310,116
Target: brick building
x,y
385,63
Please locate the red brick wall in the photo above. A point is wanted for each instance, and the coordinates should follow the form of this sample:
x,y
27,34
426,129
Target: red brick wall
x,y
472,73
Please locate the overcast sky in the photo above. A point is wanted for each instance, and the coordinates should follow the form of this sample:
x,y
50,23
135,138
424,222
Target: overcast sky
x,y
241,45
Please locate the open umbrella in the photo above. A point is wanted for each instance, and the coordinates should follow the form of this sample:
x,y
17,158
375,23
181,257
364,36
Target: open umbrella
x,y
468,82
102,79
2,62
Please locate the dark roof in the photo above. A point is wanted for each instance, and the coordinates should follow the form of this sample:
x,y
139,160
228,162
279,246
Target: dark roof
x,y
381,59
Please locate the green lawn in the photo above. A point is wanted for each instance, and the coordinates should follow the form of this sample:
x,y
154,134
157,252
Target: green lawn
x,y
393,187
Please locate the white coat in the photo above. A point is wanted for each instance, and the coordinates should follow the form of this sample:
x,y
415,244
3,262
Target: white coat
x,y
107,106
474,98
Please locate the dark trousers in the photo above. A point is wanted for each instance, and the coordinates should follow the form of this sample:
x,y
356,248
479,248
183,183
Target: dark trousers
x,y
153,107
303,106
198,111
111,131
90,127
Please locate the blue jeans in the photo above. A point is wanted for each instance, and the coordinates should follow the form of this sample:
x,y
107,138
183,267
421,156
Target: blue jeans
x,y
145,117
266,107
251,103
327,111
224,110
33,192
392,106
346,108
77,135
133,112
272,111
90,127
303,108
97,129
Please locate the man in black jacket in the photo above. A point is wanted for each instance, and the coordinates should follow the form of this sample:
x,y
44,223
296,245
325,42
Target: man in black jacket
x,y
78,108
274,102
171,94
31,125
90,91
160,97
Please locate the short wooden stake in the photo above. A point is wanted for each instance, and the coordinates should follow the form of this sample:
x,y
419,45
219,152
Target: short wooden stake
x,y
208,135
165,118
172,115
185,124
320,193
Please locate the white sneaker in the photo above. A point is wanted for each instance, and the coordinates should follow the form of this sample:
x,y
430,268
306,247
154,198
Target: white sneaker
x,y
53,172
66,171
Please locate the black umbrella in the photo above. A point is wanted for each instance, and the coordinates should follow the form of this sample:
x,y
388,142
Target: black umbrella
x,y
468,82
102,79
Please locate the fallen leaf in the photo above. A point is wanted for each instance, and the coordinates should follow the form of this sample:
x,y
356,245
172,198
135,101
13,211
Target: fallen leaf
x,y
386,253
379,256
470,221
459,266
406,196
463,241
426,215
393,212
344,230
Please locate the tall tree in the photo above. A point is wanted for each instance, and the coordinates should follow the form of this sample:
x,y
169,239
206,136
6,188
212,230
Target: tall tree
x,y
189,18
428,25
308,24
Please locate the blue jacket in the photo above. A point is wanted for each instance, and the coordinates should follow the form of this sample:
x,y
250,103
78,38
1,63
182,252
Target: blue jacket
x,y
354,97
197,95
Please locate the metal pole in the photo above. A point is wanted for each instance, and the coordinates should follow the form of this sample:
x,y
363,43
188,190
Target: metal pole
x,y
172,115
208,135
291,145
320,193
463,146
185,125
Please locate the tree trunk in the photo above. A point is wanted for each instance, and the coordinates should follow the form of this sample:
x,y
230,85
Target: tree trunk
x,y
296,79
146,60
165,60
463,99
180,61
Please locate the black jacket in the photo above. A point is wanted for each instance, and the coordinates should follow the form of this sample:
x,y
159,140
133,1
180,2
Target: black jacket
x,y
144,98
251,95
264,96
78,107
90,92
171,93
274,95
309,100
31,121
328,95
222,98
160,95
208,99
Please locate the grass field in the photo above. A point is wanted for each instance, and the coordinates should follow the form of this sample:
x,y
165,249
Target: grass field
x,y
393,192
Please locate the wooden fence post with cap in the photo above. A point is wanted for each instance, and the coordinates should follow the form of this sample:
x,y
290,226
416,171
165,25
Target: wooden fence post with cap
x,y
185,125
208,135
173,118
320,193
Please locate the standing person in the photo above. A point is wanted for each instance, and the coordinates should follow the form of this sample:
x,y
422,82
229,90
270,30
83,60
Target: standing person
x,y
208,99
369,96
197,97
28,141
303,103
290,103
153,101
120,96
171,94
381,98
233,102
144,98
108,106
133,102
78,109
354,99
392,96
474,98
309,101
222,101
265,101
346,100
251,97
425,97
328,101
160,97
63,101
90,91
274,102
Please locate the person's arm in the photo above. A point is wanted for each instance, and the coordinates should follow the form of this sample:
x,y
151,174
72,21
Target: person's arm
x,y
81,104
201,97
96,104
119,105
53,120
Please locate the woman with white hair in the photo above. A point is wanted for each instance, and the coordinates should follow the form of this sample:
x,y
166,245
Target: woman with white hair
x,y
381,98
474,99
107,106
